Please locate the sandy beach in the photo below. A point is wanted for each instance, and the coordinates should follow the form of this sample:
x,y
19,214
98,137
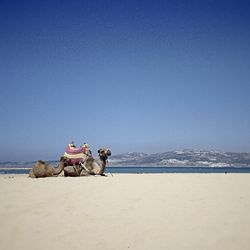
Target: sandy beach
x,y
126,211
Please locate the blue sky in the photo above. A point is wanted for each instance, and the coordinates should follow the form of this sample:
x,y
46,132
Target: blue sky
x,y
147,76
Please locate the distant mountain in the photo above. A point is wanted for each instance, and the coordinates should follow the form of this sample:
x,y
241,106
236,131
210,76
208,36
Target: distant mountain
x,y
181,158
184,158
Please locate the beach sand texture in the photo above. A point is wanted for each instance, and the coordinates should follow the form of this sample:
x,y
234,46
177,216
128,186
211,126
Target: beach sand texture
x,y
126,211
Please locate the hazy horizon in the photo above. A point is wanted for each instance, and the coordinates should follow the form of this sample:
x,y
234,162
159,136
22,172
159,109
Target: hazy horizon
x,y
95,154
133,76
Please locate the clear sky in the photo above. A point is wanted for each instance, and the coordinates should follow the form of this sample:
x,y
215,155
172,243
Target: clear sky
x,y
145,76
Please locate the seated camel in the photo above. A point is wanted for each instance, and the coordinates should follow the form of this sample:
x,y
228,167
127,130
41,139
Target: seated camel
x,y
43,169
88,166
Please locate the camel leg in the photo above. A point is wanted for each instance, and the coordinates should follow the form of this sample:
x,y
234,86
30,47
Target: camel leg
x,y
84,173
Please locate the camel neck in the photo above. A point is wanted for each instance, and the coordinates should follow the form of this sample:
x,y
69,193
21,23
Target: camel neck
x,y
59,168
102,165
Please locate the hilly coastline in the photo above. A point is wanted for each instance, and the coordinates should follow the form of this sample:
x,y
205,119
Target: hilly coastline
x,y
180,158
183,158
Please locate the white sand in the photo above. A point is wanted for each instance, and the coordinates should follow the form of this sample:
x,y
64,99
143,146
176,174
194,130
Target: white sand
x,y
151,211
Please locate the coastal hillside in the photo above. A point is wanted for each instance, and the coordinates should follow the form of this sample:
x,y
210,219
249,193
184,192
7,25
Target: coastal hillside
x,y
184,158
181,158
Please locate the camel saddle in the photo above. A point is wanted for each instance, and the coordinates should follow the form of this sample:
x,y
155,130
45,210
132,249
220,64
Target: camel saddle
x,y
75,156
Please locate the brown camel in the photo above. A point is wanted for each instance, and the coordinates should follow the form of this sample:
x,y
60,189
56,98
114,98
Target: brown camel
x,y
42,169
90,166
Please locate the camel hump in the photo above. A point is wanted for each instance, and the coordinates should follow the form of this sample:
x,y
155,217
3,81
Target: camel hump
x,y
41,162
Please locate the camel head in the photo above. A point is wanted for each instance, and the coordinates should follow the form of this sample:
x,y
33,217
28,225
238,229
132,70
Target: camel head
x,y
104,153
